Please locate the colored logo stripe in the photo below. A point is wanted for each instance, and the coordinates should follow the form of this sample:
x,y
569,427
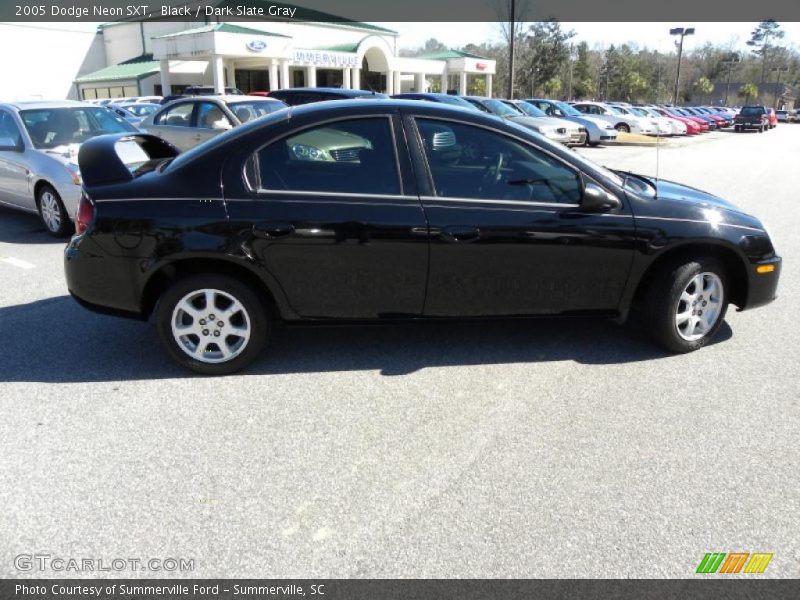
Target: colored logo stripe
x,y
758,563
710,562
734,562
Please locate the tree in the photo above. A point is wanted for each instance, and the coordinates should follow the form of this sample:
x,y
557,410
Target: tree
x,y
704,85
547,54
583,80
760,38
747,91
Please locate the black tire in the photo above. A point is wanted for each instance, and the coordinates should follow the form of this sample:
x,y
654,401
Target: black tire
x,y
52,212
622,127
592,144
663,299
737,129
260,323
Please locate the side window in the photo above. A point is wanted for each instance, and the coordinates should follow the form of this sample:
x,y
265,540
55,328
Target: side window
x,y
473,162
210,116
356,156
177,116
8,128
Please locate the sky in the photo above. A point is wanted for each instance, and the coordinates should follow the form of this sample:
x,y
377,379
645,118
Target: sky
x,y
652,35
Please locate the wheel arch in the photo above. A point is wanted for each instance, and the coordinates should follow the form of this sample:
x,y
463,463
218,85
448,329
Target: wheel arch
x,y
167,274
734,263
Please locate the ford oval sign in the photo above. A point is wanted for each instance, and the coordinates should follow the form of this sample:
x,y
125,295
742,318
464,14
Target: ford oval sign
x,y
256,45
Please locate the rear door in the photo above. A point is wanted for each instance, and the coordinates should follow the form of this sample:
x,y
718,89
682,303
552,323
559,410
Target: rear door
x,y
507,233
174,124
330,212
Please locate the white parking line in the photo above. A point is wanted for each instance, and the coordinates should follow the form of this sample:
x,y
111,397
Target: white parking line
x,y
15,262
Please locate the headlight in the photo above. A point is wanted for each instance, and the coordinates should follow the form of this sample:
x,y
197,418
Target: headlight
x,y
74,172
304,152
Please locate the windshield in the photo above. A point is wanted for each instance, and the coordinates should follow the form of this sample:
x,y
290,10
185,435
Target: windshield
x,y
614,110
141,110
246,111
568,110
530,110
640,112
500,108
456,101
53,127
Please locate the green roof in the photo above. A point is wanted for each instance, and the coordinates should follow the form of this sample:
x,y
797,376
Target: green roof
x,y
340,48
135,68
447,54
222,28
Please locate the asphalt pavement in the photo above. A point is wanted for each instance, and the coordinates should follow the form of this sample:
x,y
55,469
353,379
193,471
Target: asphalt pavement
x,y
537,449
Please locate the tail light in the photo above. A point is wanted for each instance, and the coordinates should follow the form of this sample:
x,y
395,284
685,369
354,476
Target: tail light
x,y
85,214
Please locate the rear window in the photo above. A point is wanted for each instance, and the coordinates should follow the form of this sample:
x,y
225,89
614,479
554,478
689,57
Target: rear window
x,y
752,111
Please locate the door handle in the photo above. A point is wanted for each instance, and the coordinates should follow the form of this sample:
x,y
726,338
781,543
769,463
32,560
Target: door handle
x,y
271,230
461,234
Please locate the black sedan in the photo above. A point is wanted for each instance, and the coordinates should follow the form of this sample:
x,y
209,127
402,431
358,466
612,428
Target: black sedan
x,y
353,210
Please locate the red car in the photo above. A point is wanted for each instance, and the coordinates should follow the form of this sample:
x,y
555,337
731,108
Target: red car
x,y
698,125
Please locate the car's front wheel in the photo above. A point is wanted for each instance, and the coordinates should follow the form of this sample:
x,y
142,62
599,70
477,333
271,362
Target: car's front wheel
x,y
53,212
623,128
686,304
212,324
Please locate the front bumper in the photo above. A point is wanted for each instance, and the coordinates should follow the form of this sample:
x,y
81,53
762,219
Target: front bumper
x,y
577,138
70,195
762,288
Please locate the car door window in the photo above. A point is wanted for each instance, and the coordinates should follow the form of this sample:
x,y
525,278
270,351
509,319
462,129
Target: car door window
x,y
177,116
9,129
210,116
352,156
472,162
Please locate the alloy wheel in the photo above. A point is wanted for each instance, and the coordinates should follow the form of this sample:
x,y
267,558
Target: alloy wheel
x,y
699,306
211,326
51,211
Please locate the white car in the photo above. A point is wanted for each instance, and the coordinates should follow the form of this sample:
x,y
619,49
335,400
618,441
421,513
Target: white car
x,y
576,131
619,119
666,126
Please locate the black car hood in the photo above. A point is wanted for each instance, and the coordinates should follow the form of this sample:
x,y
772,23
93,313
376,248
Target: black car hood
x,y
669,190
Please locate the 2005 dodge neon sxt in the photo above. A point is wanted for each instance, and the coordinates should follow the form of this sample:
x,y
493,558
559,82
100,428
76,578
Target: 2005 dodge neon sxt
x,y
396,209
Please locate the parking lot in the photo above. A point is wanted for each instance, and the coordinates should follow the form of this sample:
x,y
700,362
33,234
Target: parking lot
x,y
537,449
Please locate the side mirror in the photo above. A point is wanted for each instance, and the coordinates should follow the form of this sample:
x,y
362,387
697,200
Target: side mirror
x,y
9,145
596,199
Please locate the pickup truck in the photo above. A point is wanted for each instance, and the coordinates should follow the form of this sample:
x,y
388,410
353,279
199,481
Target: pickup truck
x,y
751,117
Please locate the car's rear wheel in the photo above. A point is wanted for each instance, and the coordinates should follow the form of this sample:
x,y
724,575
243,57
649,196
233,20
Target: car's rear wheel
x,y
212,324
623,128
53,212
686,304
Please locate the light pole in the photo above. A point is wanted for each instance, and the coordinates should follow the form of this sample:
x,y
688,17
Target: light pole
x,y
683,32
571,66
513,34
777,83
732,58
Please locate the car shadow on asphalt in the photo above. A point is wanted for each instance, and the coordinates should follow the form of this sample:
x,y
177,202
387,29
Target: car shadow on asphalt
x,y
57,341
17,227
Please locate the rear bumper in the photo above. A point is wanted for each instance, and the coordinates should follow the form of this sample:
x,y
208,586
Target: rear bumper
x,y
762,287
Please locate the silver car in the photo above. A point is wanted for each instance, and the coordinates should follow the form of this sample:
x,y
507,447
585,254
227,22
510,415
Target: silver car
x,y
187,122
545,126
39,144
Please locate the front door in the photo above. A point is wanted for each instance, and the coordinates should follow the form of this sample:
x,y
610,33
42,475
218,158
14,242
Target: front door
x,y
507,233
326,212
14,185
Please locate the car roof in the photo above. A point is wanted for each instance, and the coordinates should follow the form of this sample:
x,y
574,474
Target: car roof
x,y
329,90
33,104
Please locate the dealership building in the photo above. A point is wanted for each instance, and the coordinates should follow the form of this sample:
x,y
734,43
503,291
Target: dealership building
x,y
160,57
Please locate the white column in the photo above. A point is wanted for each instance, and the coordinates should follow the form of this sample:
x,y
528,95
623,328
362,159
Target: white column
x,y
230,74
273,75
217,72
356,79
398,82
285,74
444,80
462,83
390,82
488,85
311,76
166,84
419,82
346,78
